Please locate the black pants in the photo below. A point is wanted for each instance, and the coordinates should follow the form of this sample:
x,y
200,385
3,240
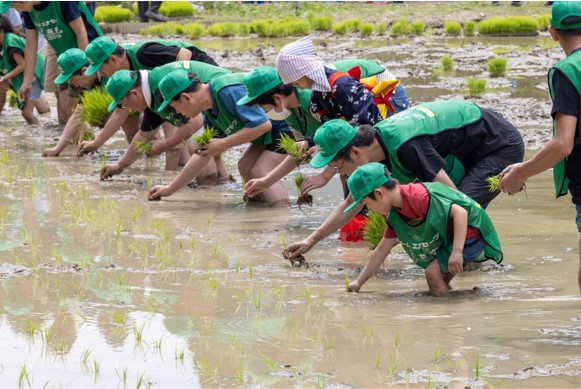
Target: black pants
x,y
143,6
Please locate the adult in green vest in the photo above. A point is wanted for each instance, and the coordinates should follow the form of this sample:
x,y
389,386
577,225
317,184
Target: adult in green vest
x,y
65,25
107,57
11,72
139,90
456,143
235,124
563,152
73,64
440,228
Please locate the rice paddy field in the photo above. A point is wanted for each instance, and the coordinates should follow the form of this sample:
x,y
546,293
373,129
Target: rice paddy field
x,y
101,288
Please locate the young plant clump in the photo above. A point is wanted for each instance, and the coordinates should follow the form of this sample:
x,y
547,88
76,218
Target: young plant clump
x,y
94,107
476,87
469,28
303,199
496,67
452,28
374,229
206,136
289,146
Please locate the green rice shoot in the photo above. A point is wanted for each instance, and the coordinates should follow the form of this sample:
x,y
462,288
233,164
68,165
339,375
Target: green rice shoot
x,y
94,105
12,99
299,179
143,146
346,283
374,229
207,135
493,183
289,146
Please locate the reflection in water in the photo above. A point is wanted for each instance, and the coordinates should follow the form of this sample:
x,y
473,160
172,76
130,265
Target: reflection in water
x,y
100,287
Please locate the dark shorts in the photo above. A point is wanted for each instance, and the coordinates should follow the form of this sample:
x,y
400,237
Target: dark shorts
x,y
202,56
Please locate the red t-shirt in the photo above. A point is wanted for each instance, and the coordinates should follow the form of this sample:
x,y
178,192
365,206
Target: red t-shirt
x,y
415,202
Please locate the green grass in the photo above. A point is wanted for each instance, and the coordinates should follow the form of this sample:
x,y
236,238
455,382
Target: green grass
x,y
93,108
374,229
496,66
452,28
112,14
417,28
469,28
401,27
514,25
476,87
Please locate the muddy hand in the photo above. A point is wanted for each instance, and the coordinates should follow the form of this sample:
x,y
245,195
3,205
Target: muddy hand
x,y
110,171
354,286
86,147
254,187
159,191
511,181
296,249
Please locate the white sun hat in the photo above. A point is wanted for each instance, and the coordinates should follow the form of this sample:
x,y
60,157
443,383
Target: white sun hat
x,y
298,59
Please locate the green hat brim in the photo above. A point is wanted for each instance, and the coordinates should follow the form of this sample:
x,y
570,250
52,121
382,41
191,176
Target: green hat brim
x,y
92,69
353,205
163,105
246,99
5,5
320,161
63,78
113,105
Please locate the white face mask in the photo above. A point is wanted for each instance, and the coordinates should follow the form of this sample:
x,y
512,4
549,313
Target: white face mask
x,y
273,115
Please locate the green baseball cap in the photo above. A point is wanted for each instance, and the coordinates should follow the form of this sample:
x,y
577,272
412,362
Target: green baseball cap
x,y
259,81
364,180
4,5
69,62
98,51
331,137
119,85
173,84
562,10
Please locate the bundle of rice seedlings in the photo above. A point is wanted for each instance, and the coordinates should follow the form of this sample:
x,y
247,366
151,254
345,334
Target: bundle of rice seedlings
x,y
493,183
12,99
112,14
143,146
289,146
303,199
205,137
93,108
374,229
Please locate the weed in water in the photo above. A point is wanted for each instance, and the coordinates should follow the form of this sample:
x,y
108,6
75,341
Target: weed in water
x,y
476,87
496,66
302,199
374,228
205,137
452,28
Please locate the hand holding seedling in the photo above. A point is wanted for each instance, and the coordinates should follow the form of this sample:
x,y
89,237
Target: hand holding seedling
x,y
86,147
25,91
110,170
314,182
214,148
158,146
512,180
255,186
296,249
159,191
354,286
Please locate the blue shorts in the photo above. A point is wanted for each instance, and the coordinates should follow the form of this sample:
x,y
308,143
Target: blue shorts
x,y
578,218
36,90
473,249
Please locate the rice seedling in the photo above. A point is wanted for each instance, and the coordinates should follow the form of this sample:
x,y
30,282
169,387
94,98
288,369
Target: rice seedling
x,y
93,107
96,367
292,148
513,25
180,353
417,28
250,271
205,137
271,364
157,343
118,318
347,282
469,28
381,28
223,29
401,27
496,66
122,376
177,8
303,199
452,28
12,99
257,299
366,29
31,328
476,87
477,367
378,360
322,23
24,376
138,332
493,183
447,63
374,229
112,14
143,146
543,21
194,30
85,358
164,29
437,353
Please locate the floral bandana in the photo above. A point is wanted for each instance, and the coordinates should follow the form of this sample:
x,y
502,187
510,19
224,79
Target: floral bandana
x,y
298,59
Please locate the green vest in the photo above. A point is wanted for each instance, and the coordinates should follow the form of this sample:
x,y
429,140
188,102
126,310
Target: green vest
x,y
571,67
429,239
426,119
301,119
6,66
52,25
224,121
132,50
368,68
204,72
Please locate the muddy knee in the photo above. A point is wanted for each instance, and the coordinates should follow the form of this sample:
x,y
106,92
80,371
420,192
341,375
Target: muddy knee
x,y
207,179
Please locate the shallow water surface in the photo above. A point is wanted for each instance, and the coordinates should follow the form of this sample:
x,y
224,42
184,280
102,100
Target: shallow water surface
x,y
99,287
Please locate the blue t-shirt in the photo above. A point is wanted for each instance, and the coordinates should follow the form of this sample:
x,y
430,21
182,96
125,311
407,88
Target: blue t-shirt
x,y
70,10
251,116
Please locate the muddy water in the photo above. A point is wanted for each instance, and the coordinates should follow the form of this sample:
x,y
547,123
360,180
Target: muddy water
x,y
101,288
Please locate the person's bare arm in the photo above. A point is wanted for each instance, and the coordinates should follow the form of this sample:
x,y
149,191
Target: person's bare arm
x,y
459,218
443,177
188,173
184,55
377,258
115,121
19,68
183,133
30,53
245,135
80,31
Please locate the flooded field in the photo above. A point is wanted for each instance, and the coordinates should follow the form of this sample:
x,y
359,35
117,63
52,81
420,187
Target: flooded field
x,y
101,288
